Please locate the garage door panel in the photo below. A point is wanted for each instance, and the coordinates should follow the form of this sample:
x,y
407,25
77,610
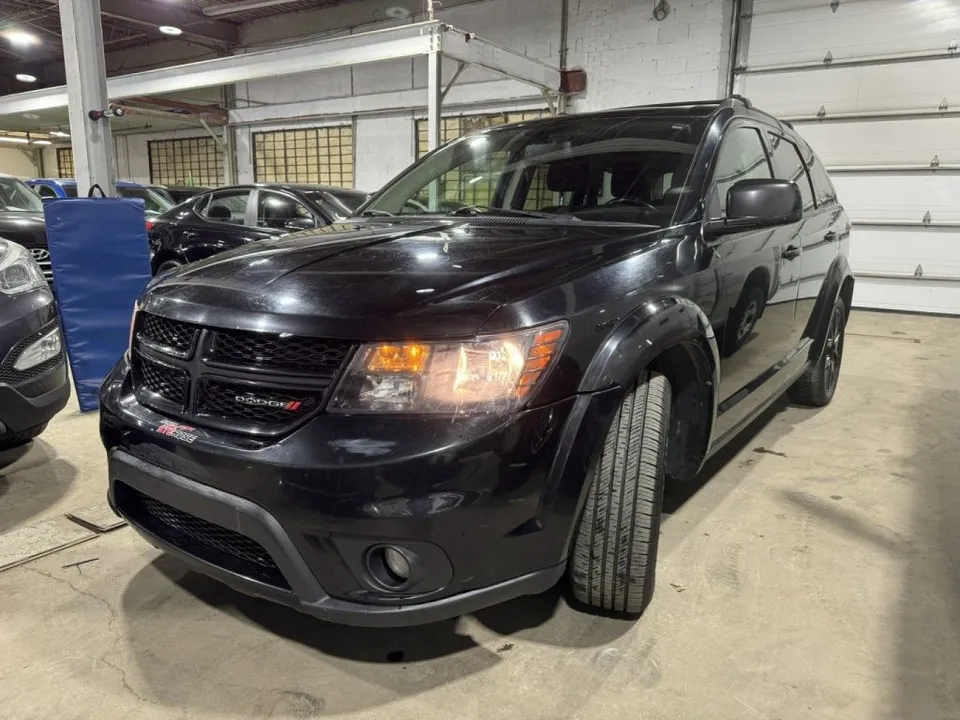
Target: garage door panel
x,y
928,296
901,196
856,30
869,88
898,251
886,142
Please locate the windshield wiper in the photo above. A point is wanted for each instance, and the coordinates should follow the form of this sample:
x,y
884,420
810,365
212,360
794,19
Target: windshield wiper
x,y
470,210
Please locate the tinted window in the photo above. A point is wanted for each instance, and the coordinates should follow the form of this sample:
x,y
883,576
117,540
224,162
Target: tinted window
x,y
70,190
153,202
228,206
45,191
280,212
822,187
788,165
741,157
17,197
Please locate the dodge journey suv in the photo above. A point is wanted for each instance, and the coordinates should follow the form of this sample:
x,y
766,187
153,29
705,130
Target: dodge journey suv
x,y
481,382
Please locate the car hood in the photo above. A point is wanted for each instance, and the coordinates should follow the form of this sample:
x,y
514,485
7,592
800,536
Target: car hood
x,y
384,279
25,228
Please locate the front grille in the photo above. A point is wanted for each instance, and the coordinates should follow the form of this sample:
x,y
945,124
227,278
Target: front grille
x,y
168,382
42,256
279,352
234,380
171,335
259,405
208,541
10,376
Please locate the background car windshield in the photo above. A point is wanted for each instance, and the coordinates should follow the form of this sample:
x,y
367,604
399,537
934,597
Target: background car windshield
x,y
343,202
17,197
153,202
602,169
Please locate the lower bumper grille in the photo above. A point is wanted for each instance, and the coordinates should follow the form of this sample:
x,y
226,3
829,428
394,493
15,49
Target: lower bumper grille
x,y
208,541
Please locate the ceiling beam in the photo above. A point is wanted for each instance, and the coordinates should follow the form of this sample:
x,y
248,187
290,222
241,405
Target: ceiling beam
x,y
193,23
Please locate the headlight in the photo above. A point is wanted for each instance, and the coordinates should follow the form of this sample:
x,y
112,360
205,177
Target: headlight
x,y
47,347
19,272
492,374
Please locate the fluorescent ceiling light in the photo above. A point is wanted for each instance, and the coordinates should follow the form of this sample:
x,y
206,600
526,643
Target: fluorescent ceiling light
x,y
31,116
21,38
39,142
23,77
170,30
18,140
59,133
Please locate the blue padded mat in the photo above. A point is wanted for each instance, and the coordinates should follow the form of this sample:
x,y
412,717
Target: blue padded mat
x,y
101,263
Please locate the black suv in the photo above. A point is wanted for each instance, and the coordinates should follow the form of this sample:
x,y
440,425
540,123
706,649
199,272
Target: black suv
x,y
417,413
33,373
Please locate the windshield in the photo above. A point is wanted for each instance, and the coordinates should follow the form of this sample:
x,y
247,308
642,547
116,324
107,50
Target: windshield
x,y
153,202
606,169
15,196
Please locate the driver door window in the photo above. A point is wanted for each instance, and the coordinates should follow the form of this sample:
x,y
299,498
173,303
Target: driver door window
x,y
742,157
281,212
229,206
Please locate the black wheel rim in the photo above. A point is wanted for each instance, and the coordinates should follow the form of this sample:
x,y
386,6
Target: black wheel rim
x,y
748,321
833,351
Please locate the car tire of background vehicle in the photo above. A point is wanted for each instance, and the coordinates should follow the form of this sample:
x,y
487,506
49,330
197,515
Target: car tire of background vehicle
x,y
11,440
613,563
169,266
818,383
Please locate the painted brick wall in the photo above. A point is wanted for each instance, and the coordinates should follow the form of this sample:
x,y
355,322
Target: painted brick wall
x,y
384,147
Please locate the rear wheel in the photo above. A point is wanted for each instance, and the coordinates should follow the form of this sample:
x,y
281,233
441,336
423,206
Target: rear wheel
x,y
614,557
11,440
818,384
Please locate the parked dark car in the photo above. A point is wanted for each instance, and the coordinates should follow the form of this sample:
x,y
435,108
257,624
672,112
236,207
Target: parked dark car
x,y
415,414
33,373
230,217
21,221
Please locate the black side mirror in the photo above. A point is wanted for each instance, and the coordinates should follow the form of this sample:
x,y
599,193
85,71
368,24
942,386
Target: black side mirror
x,y
760,203
300,223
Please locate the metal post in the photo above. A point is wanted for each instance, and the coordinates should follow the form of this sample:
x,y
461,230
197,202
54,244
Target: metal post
x,y
92,141
434,99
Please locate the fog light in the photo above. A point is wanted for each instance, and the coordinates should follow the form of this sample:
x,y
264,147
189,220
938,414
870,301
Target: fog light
x,y
397,564
45,348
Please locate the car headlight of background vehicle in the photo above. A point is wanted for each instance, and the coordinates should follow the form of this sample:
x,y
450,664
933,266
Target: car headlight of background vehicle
x,y
19,272
490,374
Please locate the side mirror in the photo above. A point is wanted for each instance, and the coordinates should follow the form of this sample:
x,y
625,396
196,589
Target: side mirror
x,y
760,203
301,223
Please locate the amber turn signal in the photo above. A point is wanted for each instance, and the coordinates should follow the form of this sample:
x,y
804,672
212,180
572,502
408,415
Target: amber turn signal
x,y
405,358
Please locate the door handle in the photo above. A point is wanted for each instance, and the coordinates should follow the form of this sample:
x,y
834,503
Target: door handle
x,y
830,236
791,252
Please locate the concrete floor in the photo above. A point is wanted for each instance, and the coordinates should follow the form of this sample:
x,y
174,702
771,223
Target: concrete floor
x,y
812,572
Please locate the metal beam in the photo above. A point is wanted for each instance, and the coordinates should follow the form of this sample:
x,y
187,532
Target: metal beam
x,y
468,48
194,24
390,44
92,140
242,6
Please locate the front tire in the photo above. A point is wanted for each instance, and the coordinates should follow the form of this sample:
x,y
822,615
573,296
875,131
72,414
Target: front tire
x,y
819,382
613,564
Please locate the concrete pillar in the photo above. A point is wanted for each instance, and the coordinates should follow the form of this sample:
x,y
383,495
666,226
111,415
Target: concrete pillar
x,y
92,141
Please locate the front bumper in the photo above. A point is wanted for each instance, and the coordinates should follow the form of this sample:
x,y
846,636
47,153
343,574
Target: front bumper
x,y
485,507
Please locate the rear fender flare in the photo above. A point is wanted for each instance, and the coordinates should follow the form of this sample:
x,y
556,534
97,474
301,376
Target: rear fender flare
x,y
836,276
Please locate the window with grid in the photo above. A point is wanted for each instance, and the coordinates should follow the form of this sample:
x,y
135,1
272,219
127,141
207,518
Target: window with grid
x,y
480,192
186,161
312,155
65,167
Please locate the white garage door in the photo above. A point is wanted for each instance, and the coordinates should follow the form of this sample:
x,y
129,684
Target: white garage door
x,y
874,86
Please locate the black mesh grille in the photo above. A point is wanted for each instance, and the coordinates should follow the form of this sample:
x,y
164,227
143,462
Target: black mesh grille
x,y
261,406
172,334
16,377
276,352
169,383
208,541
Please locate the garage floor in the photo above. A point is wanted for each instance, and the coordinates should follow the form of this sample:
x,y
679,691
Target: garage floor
x,y
813,572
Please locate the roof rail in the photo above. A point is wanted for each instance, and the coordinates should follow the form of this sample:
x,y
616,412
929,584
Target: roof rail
x,y
685,103
745,100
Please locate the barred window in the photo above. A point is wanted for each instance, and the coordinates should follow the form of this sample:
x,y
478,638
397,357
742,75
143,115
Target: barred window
x,y
65,168
310,155
186,161
480,192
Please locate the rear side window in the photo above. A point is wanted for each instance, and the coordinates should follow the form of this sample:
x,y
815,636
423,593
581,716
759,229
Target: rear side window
x,y
822,187
789,165
741,157
228,206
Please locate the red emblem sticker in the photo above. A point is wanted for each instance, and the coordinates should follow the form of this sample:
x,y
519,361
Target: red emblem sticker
x,y
177,431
